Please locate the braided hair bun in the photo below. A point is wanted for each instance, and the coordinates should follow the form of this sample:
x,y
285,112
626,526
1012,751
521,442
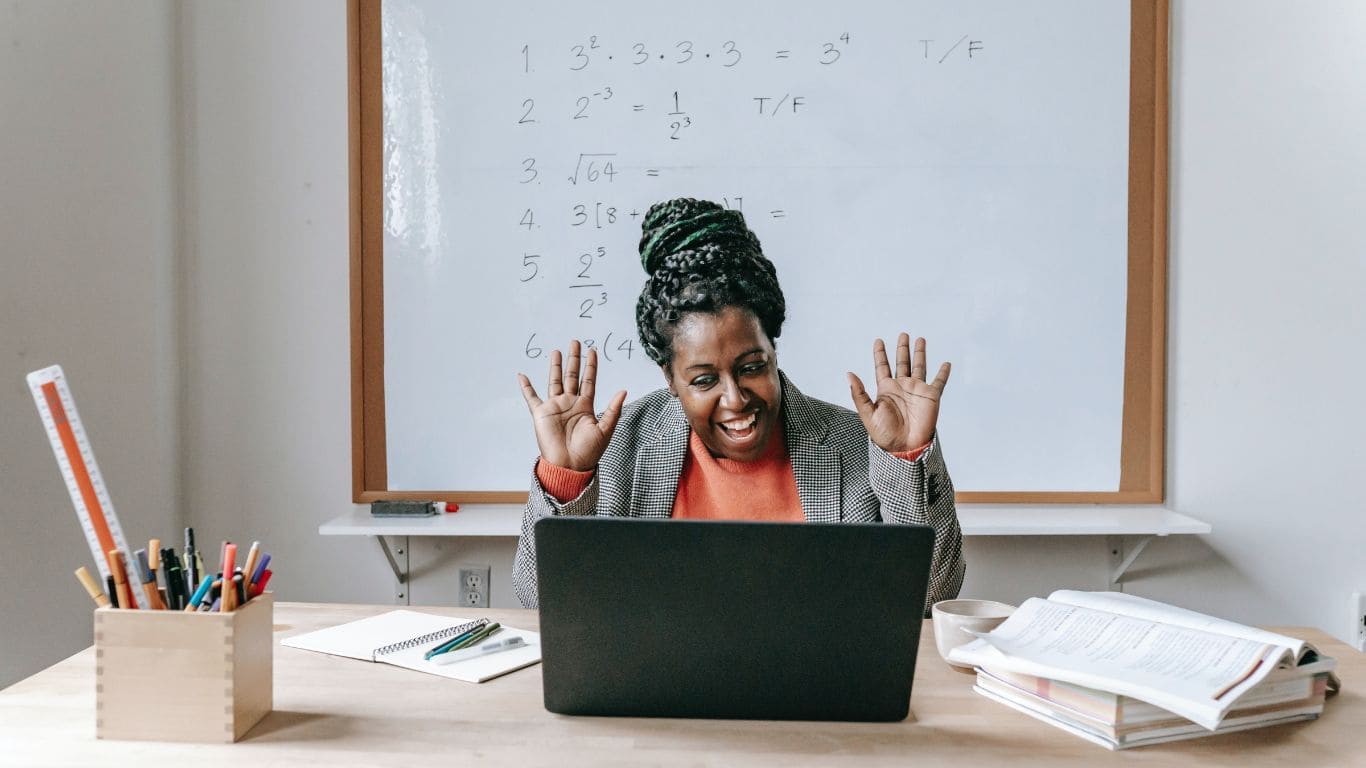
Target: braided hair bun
x,y
701,257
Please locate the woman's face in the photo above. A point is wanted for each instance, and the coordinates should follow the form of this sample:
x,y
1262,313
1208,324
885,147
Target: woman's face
x,y
725,375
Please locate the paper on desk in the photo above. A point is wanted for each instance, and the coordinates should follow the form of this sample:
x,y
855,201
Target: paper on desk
x,y
361,638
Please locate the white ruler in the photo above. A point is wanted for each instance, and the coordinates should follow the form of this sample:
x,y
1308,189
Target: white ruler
x,y
76,459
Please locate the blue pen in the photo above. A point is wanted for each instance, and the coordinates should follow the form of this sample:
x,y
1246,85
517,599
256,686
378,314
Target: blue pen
x,y
203,590
260,569
449,644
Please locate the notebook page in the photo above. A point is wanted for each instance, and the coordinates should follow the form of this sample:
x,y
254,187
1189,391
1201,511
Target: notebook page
x,y
358,639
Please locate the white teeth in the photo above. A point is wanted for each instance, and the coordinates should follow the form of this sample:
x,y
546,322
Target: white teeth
x,y
739,424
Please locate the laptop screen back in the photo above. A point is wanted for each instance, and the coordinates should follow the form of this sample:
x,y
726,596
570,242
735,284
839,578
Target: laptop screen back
x,y
661,618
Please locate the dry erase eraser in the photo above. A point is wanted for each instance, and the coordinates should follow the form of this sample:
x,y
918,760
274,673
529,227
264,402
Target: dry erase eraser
x,y
402,508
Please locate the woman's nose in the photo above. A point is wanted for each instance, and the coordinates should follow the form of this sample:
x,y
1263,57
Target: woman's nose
x,y
733,396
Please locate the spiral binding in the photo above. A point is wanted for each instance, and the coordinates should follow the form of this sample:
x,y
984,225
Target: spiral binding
x,y
427,638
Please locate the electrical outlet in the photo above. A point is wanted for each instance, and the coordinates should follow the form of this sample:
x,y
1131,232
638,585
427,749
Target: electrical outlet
x,y
474,586
1358,634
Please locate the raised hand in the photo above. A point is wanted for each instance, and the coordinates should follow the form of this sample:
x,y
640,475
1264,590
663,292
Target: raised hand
x,y
907,407
568,431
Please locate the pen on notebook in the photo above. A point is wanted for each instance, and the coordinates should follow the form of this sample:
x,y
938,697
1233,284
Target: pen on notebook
x,y
453,657
446,645
477,637
92,587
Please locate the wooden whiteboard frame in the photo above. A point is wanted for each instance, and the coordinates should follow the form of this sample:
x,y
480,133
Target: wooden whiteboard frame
x,y
1143,442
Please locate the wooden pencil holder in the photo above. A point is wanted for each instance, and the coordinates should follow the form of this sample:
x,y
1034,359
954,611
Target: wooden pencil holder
x,y
176,676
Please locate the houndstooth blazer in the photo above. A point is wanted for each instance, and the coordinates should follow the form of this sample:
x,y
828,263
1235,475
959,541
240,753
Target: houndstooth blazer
x,y
841,477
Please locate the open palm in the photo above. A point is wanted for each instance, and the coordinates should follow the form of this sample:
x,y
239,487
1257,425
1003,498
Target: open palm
x,y
568,431
903,416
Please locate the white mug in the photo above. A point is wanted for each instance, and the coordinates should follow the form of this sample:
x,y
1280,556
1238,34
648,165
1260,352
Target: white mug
x,y
953,619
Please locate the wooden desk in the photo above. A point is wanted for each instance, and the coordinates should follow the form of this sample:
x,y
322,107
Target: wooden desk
x,y
339,712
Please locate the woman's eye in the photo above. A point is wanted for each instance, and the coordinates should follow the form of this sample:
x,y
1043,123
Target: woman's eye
x,y
704,381
752,368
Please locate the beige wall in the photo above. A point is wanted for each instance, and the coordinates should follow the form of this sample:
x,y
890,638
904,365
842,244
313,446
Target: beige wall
x,y
1265,321
88,150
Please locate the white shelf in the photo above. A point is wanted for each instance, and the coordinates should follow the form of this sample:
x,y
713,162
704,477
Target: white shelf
x,y
975,519
471,520
1075,520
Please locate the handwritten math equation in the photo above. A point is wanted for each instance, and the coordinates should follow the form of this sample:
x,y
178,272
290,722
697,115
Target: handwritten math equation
x,y
590,225
595,53
579,274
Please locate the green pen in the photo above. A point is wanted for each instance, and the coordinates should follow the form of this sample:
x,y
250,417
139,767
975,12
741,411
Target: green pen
x,y
476,638
446,645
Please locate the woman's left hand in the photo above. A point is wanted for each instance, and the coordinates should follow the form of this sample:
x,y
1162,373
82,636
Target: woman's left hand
x,y
907,407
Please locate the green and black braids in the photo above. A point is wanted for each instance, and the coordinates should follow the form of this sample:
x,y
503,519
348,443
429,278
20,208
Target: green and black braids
x,y
701,257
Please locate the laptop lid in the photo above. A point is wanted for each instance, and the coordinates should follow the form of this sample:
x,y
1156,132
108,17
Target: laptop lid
x,y
774,621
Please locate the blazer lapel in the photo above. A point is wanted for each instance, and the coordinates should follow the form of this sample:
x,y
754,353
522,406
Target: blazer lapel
x,y
660,465
815,464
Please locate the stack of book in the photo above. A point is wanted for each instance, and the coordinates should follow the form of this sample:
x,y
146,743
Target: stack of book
x,y
1122,671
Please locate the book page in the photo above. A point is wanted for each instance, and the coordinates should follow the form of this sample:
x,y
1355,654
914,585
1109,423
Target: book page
x,y
1143,608
1194,673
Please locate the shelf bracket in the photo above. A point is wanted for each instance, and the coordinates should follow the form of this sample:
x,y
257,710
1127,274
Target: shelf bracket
x,y
1121,560
400,549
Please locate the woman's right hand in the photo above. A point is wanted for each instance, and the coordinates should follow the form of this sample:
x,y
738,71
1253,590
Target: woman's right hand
x,y
568,431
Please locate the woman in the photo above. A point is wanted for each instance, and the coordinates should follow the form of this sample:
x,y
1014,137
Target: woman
x,y
731,437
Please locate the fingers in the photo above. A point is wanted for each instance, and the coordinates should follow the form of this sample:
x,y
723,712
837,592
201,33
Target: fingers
x,y
918,362
555,387
881,370
903,356
608,422
862,403
942,378
590,375
528,392
571,371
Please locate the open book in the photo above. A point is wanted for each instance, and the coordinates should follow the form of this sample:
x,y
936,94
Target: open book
x,y
1194,665
402,638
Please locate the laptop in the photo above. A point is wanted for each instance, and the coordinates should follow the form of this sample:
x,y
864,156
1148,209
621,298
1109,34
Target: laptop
x,y
769,621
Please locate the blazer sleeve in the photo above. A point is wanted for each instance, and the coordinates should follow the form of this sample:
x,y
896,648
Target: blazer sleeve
x,y
921,492
540,504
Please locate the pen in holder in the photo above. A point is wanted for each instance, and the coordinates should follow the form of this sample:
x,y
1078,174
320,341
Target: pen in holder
x,y
183,676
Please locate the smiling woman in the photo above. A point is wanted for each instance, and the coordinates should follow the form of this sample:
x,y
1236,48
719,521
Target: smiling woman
x,y
731,437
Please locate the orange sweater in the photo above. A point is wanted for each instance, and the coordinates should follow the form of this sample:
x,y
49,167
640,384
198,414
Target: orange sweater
x,y
716,489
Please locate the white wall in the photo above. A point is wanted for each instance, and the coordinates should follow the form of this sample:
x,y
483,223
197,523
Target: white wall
x,y
1268,272
267,434
1268,177
87,280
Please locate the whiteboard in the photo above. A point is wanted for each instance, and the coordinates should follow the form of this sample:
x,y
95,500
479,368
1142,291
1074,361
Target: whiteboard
x,y
955,170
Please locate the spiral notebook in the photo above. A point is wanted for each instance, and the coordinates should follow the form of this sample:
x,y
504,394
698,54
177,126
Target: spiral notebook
x,y
402,638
